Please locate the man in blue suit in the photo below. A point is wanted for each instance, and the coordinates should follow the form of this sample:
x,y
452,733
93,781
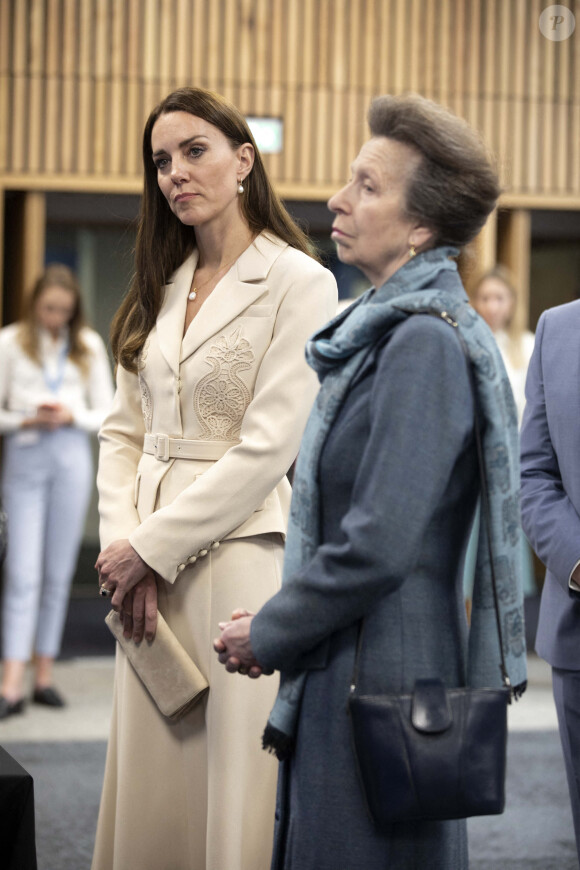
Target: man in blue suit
x,y
550,441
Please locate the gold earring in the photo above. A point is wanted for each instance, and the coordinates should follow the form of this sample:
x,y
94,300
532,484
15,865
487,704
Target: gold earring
x,y
240,187
412,252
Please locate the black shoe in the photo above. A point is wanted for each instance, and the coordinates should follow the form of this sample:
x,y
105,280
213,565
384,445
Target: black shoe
x,y
10,709
49,697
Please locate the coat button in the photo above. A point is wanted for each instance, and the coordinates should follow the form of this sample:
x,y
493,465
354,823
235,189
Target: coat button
x,y
203,552
181,567
215,545
191,560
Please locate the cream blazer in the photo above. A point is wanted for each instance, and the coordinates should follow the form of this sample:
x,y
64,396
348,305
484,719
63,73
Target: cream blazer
x,y
239,382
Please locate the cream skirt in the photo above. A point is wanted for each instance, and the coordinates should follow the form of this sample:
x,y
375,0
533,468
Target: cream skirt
x,y
198,794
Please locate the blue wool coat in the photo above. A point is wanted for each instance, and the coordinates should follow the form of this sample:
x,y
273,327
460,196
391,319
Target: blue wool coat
x,y
398,487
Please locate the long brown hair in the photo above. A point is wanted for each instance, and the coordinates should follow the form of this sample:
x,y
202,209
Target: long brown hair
x,y
54,275
163,242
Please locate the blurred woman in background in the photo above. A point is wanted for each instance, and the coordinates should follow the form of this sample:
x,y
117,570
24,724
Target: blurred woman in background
x,y
494,298
55,387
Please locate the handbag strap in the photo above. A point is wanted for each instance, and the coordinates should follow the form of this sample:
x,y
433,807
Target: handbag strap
x,y
484,492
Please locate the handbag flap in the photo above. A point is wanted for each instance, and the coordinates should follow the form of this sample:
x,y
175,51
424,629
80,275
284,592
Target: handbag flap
x,y
430,710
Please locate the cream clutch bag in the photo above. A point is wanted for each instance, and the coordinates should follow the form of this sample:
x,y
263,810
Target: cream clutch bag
x,y
172,679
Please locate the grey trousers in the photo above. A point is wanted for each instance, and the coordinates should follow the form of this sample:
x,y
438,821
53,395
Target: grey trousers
x,y
566,688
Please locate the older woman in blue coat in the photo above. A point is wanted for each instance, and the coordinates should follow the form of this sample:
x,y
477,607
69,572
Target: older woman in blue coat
x,y
384,496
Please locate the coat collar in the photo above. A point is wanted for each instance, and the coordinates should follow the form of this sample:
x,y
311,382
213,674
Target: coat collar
x,y
239,288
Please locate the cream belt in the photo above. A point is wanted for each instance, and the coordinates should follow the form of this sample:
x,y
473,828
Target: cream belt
x,y
165,448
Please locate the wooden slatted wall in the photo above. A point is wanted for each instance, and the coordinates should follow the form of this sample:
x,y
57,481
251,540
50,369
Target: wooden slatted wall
x,y
78,78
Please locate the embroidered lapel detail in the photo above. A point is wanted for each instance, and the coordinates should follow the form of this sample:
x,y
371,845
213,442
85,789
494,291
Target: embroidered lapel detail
x,y
239,288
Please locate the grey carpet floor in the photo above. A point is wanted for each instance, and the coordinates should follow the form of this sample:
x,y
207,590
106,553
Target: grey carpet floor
x,y
534,833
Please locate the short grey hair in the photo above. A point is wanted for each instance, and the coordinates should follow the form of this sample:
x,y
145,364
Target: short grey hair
x,y
454,187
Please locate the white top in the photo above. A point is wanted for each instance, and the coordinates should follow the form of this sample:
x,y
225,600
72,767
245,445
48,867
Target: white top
x,y
517,376
24,385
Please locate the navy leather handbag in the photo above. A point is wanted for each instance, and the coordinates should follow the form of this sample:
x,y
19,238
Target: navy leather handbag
x,y
435,753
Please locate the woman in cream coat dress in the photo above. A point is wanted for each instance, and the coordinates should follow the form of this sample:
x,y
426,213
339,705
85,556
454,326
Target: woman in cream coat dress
x,y
233,393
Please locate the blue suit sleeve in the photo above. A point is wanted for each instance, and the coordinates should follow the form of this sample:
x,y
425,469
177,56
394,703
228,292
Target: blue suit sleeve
x,y
421,419
549,518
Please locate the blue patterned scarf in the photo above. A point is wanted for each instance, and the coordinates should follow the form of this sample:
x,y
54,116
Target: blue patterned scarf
x,y
337,353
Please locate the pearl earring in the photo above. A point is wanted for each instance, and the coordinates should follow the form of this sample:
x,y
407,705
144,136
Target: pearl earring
x,y
240,187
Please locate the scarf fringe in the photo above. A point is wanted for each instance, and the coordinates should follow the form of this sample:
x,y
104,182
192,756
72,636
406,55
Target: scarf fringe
x,y
279,744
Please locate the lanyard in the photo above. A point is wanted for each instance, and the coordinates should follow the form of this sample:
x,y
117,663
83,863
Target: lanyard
x,y
54,382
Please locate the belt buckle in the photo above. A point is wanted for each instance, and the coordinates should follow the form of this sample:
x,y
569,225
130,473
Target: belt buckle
x,y
162,447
